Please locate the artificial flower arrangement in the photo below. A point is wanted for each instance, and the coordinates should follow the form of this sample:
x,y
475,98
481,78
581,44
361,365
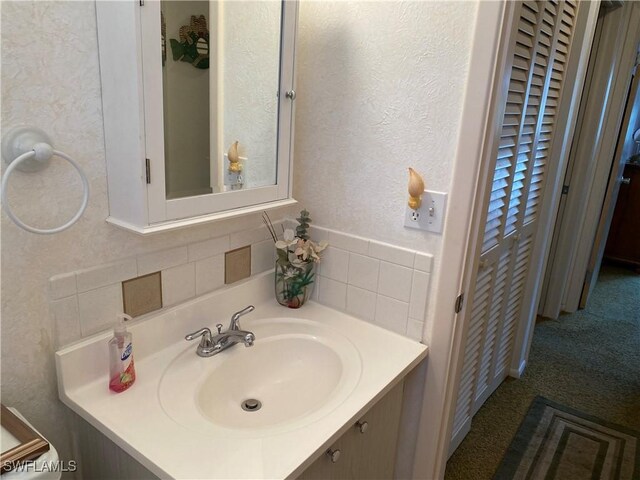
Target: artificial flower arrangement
x,y
295,265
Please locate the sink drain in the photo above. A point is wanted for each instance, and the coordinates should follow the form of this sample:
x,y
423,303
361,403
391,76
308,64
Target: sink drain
x,y
251,405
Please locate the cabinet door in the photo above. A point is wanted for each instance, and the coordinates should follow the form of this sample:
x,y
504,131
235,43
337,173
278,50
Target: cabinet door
x,y
365,455
375,450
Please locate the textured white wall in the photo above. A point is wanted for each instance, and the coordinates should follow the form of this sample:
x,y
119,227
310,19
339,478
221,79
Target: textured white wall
x,y
380,88
50,79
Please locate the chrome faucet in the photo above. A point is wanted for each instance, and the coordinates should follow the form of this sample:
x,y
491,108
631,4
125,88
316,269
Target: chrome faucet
x,y
213,344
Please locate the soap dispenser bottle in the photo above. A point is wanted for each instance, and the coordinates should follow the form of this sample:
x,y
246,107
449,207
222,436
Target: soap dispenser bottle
x,y
122,373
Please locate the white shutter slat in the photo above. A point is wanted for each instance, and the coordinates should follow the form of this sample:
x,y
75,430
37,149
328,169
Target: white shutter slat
x,y
540,57
472,348
492,324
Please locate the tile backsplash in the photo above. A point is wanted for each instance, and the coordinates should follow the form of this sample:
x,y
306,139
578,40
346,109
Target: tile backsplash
x,y
87,301
374,281
377,282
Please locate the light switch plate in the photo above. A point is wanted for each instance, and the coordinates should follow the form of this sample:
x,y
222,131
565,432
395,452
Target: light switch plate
x,y
430,215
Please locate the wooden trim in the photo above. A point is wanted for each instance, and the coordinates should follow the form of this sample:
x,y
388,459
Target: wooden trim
x,y
32,445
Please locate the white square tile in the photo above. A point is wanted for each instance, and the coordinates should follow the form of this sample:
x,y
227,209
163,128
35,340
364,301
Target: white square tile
x,y
318,234
98,308
66,321
361,303
392,314
419,295
254,235
335,264
363,272
162,260
395,281
315,288
62,286
415,329
107,274
209,274
263,256
178,284
208,248
423,262
332,293
393,254
348,242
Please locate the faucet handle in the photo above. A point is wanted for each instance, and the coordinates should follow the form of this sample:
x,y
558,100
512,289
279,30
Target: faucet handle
x,y
203,332
219,327
235,318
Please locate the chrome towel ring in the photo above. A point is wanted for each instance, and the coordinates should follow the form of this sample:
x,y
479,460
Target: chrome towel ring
x,y
29,149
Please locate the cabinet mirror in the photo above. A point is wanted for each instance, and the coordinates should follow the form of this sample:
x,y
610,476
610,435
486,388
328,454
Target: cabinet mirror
x,y
214,88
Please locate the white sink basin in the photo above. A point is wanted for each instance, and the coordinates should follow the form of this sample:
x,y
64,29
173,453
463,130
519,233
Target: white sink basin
x,y
300,370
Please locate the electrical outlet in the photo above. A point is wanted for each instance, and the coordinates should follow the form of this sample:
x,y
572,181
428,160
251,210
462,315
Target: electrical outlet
x,y
430,215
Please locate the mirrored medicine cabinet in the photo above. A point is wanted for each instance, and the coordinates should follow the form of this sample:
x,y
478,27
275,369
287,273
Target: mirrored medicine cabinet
x,y
198,104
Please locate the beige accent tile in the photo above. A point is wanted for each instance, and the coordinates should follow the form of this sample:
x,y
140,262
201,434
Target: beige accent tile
x,y
419,295
361,303
392,314
332,293
237,264
142,294
363,272
208,248
391,253
209,274
162,260
66,321
423,262
107,274
98,308
395,281
335,264
178,284
263,256
62,286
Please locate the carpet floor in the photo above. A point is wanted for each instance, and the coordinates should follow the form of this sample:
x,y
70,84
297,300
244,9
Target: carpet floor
x,y
588,360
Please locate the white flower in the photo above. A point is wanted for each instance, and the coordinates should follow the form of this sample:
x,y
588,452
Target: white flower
x,y
285,244
289,235
290,273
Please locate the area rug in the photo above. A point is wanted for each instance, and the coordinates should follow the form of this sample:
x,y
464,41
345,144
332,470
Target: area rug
x,y
555,442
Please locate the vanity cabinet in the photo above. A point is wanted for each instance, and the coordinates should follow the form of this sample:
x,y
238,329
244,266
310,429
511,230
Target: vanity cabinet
x,y
365,453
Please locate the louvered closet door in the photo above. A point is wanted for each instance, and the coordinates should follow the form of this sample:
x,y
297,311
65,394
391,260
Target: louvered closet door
x,y
538,58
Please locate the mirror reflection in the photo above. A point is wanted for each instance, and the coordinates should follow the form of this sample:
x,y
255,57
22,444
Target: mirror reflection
x,y
220,78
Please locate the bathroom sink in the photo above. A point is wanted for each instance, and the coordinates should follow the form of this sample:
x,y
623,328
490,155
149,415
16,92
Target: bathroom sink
x,y
297,372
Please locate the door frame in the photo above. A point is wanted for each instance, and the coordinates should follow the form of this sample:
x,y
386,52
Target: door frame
x,y
470,252
574,239
613,189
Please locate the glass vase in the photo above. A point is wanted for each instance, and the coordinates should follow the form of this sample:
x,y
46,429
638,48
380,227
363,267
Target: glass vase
x,y
294,285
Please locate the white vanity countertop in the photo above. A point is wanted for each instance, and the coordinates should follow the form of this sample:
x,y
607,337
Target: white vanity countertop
x,y
136,421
